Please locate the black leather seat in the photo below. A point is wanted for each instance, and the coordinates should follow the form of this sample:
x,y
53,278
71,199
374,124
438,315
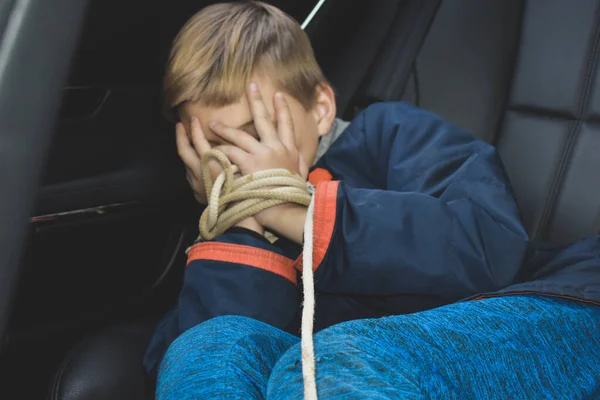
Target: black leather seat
x,y
521,74
106,365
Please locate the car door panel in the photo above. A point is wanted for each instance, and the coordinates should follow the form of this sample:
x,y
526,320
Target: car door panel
x,y
120,153
113,214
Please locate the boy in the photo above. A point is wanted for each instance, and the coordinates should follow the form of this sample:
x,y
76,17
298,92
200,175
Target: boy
x,y
411,213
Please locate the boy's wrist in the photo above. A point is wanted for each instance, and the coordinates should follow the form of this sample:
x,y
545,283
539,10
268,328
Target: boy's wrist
x,y
266,217
286,219
252,224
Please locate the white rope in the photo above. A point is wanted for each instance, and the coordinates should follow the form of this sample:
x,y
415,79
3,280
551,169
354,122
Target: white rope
x,y
233,198
308,309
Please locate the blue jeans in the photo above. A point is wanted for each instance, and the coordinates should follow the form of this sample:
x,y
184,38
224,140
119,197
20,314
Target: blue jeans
x,y
516,347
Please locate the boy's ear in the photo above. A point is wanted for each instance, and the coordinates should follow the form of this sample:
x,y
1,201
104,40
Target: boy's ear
x,y
324,109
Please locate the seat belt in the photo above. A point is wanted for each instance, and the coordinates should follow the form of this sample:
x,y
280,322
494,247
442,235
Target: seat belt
x,y
387,79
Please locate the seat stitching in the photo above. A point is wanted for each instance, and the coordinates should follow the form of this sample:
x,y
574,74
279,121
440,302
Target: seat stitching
x,y
510,77
542,113
573,135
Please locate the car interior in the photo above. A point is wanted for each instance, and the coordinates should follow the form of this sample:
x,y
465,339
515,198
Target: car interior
x,y
103,252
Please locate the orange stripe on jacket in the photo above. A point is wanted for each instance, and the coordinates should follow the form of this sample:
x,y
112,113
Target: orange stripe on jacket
x,y
325,214
245,255
319,175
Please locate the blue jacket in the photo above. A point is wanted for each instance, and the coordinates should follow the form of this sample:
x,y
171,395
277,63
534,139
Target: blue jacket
x,y
411,213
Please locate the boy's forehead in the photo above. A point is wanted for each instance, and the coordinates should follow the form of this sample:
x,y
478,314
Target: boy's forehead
x,y
233,115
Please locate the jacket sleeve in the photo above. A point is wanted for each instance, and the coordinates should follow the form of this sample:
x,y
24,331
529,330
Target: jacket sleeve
x,y
235,274
434,213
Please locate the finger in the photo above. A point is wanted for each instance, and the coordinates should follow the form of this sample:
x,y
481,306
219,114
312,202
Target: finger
x,y
197,187
198,139
215,169
285,125
302,167
262,119
236,155
236,137
186,151
193,180
202,146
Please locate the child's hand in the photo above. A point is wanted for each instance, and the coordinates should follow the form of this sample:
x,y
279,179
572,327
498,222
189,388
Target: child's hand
x,y
191,153
191,160
276,147
191,148
188,150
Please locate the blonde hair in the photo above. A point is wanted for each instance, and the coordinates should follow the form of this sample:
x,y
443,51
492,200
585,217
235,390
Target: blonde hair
x,y
216,52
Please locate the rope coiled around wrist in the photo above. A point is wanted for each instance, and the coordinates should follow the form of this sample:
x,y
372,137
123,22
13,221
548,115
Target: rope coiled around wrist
x,y
232,199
